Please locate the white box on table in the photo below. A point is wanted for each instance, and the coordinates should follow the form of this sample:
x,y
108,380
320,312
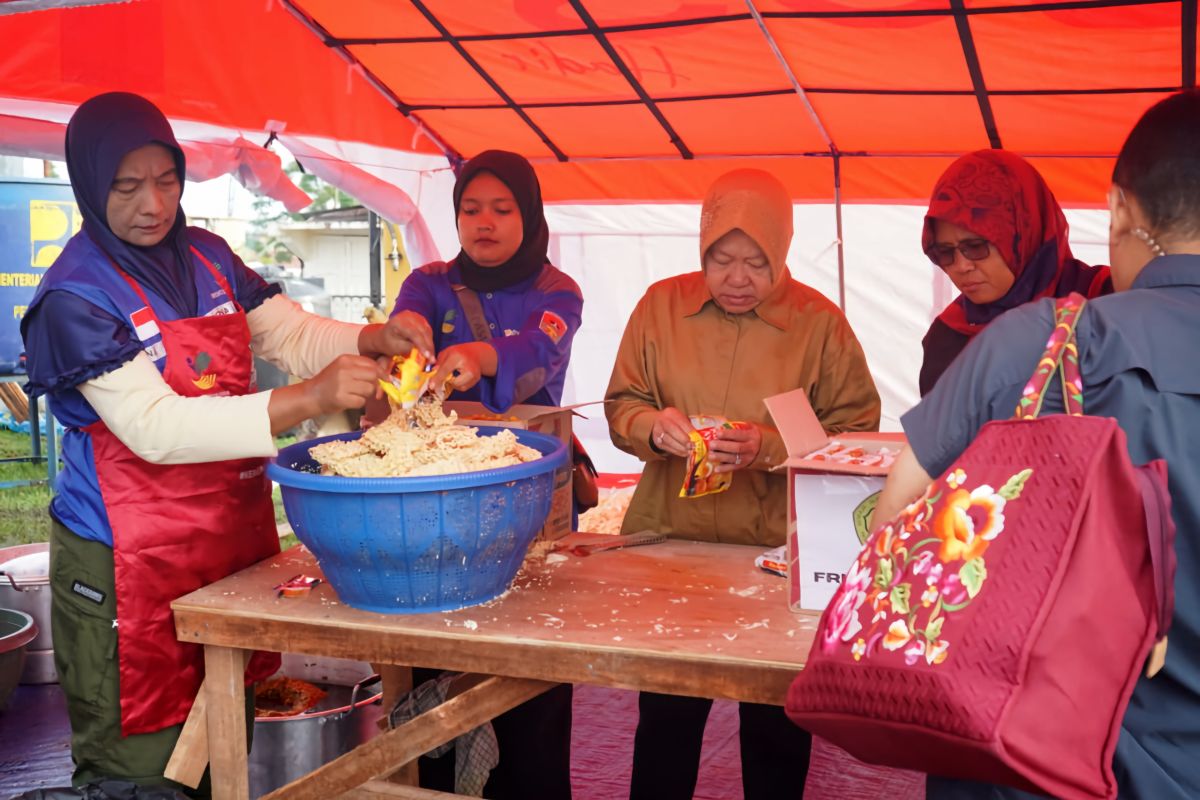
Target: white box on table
x,y
829,504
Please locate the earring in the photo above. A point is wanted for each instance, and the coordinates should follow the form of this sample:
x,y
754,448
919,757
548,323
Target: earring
x,y
1149,241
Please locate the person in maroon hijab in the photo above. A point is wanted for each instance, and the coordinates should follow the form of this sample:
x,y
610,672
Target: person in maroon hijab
x,y
996,230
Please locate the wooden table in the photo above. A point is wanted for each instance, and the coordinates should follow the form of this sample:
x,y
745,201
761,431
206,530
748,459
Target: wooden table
x,y
679,618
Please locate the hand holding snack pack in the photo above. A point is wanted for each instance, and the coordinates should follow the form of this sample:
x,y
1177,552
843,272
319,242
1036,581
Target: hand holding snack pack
x,y
703,475
408,379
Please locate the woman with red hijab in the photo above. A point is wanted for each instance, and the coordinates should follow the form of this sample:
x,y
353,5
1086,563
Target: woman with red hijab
x,y
996,230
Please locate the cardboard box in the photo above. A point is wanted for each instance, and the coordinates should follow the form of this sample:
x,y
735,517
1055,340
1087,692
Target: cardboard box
x,y
829,504
542,419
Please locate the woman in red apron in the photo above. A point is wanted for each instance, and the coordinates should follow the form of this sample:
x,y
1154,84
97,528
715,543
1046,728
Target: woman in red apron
x,y
141,337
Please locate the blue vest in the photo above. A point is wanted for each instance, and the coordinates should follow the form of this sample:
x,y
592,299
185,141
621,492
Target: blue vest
x,y
86,271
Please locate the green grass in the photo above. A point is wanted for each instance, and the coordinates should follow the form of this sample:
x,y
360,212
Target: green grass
x,y
23,515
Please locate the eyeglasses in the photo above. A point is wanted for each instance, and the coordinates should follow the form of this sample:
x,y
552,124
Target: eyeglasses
x,y
972,250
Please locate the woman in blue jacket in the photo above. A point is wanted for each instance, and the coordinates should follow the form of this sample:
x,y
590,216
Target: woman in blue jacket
x,y
502,319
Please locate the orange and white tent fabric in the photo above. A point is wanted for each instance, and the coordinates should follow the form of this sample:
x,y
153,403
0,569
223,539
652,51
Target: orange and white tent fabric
x,y
640,100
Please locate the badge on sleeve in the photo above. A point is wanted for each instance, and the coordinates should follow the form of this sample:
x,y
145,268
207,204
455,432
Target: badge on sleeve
x,y
553,326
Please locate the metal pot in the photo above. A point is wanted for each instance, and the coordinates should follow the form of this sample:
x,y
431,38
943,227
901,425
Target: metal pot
x,y
17,630
31,594
286,748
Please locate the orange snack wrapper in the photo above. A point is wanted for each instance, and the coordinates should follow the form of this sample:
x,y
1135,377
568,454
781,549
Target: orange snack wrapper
x,y
701,478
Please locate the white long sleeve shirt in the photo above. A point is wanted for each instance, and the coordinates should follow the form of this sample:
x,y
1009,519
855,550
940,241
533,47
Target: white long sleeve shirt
x,y
163,427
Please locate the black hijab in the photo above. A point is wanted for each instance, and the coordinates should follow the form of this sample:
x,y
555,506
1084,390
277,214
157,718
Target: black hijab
x,y
517,174
101,132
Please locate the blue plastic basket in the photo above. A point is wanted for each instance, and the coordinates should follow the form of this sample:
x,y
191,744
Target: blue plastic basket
x,y
404,545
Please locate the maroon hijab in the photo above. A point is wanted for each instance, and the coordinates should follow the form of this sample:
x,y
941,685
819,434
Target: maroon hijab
x,y
1000,197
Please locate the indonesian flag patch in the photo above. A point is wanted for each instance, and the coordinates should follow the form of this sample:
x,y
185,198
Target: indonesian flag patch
x,y
143,323
553,326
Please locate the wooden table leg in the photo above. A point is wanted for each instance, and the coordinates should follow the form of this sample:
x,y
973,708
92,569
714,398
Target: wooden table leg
x,y
225,681
397,682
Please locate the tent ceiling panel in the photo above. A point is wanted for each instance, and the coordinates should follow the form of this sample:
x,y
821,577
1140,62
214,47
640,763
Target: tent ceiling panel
x,y
878,180
1080,49
673,180
427,74
642,99
630,131
183,56
483,129
370,19
845,7
903,124
776,123
514,17
643,12
568,69
1081,124
875,54
697,60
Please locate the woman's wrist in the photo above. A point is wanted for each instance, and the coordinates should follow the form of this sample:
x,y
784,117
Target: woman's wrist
x,y
290,405
489,360
368,340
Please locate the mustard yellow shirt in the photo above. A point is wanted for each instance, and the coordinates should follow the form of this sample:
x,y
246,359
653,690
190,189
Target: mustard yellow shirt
x,y
680,349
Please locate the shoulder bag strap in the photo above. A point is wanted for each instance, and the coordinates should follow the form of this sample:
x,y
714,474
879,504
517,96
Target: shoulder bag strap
x,y
1061,356
473,309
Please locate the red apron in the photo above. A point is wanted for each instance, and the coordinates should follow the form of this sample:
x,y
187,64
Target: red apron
x,y
179,527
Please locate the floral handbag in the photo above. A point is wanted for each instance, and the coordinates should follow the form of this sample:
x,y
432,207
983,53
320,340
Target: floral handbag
x,y
995,629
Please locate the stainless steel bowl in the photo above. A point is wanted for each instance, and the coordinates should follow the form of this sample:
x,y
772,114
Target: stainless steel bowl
x,y
17,630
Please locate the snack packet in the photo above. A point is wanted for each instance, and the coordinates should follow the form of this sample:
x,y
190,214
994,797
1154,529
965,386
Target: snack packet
x,y
701,478
407,379
841,453
773,561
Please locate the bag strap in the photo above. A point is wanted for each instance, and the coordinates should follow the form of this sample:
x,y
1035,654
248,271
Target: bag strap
x,y
473,309
1061,356
1157,505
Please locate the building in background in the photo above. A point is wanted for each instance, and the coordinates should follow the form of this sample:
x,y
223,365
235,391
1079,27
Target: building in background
x,y
333,247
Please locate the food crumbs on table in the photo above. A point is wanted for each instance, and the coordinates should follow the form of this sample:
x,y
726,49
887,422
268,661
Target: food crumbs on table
x,y
749,626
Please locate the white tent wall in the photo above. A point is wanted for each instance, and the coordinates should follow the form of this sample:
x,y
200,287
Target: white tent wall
x,y
892,290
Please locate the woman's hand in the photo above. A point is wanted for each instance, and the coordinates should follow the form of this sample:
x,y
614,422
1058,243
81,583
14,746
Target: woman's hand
x,y
462,365
669,434
735,449
347,382
398,336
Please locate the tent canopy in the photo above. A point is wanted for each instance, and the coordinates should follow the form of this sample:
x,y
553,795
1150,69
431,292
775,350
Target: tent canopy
x,y
637,100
